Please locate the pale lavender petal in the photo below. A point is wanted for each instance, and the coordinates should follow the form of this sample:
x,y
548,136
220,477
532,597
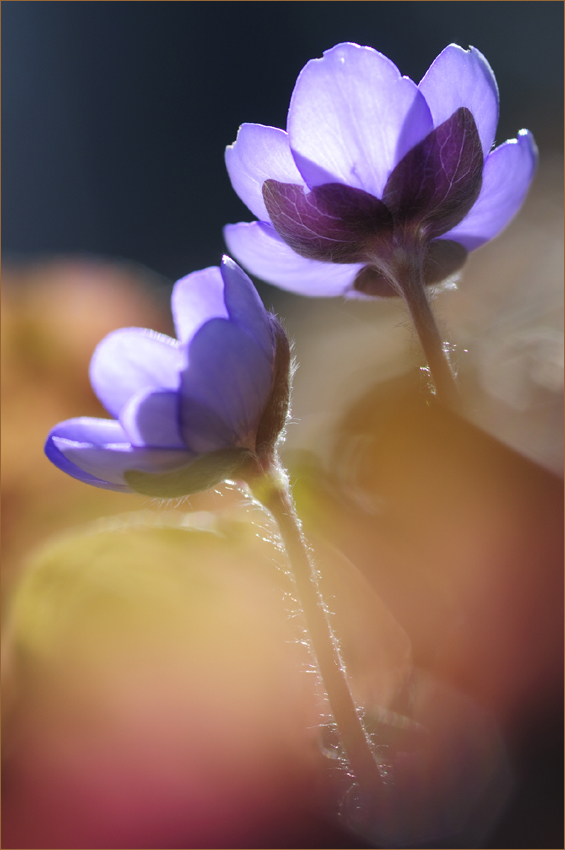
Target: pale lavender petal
x,y
258,247
352,118
507,175
259,153
459,78
134,359
245,307
109,463
229,374
152,419
89,431
197,298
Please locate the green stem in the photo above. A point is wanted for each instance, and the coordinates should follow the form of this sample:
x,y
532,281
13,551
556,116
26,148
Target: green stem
x,y
274,493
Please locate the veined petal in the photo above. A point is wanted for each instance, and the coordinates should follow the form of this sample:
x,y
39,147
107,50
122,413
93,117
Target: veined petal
x,y
152,419
459,78
109,463
196,299
352,117
134,359
257,154
85,430
258,247
507,175
245,307
229,374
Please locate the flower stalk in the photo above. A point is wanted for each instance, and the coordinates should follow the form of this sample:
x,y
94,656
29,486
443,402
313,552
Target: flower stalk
x,y
272,490
408,280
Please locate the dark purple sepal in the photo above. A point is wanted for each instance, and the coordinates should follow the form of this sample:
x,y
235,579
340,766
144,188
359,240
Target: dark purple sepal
x,y
369,281
204,472
332,223
273,420
443,258
435,185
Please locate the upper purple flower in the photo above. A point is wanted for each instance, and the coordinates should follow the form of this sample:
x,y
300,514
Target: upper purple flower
x,y
373,167
188,412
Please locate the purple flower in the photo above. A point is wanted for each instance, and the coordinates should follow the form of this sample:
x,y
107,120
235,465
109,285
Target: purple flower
x,y
373,169
188,412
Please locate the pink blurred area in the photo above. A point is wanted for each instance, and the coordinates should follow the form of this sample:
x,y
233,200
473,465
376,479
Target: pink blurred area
x,y
156,690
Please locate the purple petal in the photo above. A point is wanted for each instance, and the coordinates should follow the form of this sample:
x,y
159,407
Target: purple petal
x,y
204,429
196,299
109,463
134,359
352,117
332,223
459,78
245,307
229,374
90,431
257,154
507,175
439,180
258,247
152,419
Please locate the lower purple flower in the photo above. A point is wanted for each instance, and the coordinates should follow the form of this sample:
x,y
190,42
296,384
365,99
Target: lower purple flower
x,y
191,411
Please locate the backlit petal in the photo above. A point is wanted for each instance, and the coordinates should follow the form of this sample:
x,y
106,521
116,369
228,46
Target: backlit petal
x,y
352,118
196,299
134,359
258,247
507,175
259,153
459,78
89,431
152,419
228,373
244,305
109,463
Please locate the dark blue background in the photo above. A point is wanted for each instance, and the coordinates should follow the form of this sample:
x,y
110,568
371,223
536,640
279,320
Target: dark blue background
x,y
116,114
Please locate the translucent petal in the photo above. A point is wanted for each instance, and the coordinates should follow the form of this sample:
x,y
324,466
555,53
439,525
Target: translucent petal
x,y
258,247
244,305
259,153
228,373
197,298
87,431
152,419
507,175
134,359
352,118
109,463
459,78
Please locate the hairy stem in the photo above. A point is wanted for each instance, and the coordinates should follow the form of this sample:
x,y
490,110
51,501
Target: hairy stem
x,y
274,493
406,274
416,297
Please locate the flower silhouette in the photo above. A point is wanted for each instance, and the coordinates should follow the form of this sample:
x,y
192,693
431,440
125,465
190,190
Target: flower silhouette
x,y
374,169
188,412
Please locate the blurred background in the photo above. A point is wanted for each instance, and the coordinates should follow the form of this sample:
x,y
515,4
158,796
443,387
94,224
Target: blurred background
x,y
116,117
